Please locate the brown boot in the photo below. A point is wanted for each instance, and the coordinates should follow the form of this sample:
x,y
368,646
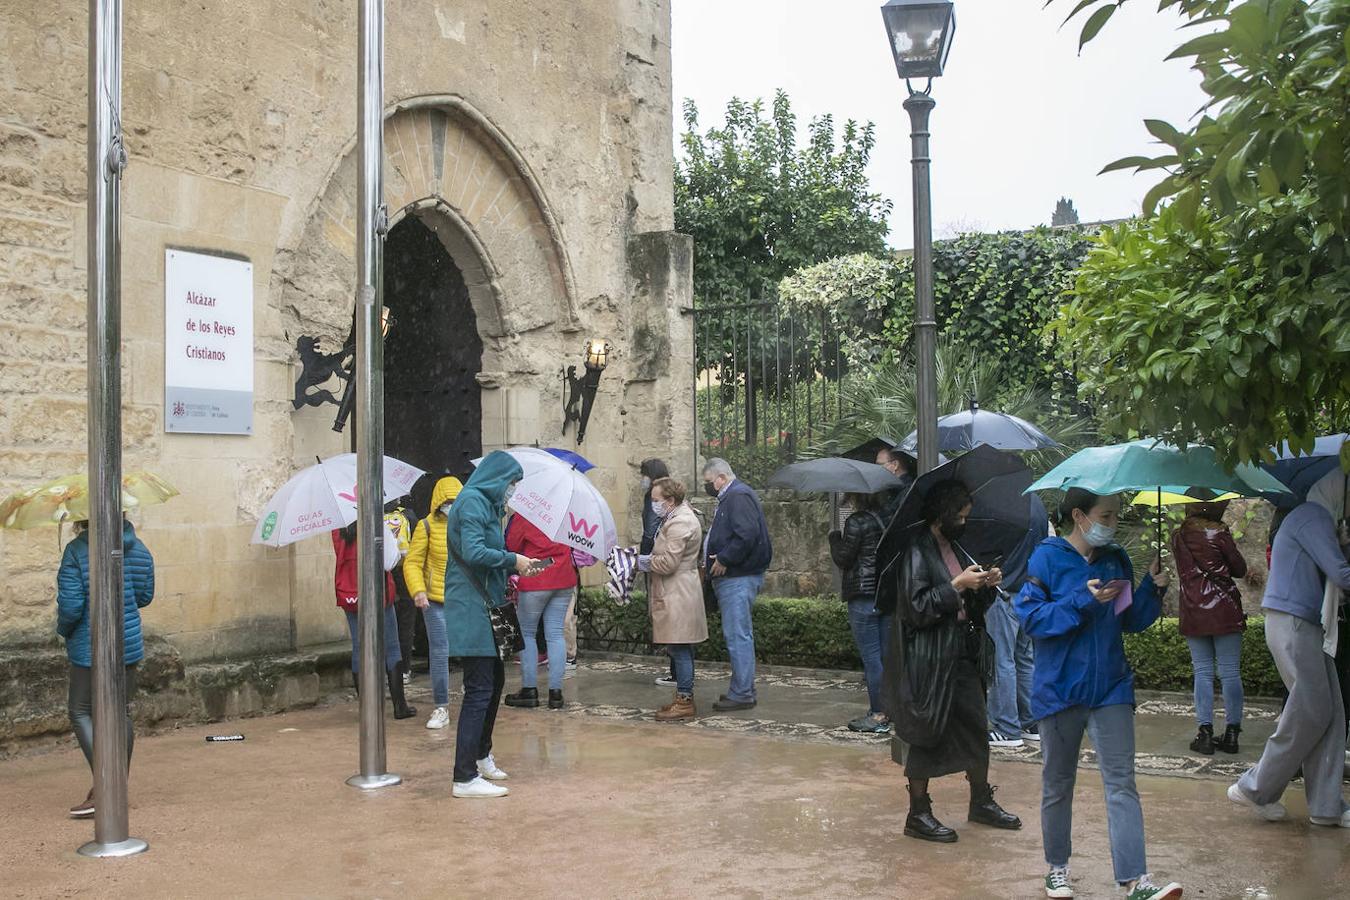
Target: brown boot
x,y
679,708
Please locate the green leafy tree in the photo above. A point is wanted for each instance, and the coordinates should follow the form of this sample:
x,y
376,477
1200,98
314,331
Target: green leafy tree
x,y
1236,297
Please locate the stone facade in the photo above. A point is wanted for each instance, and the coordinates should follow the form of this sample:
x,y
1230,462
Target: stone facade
x,y
536,143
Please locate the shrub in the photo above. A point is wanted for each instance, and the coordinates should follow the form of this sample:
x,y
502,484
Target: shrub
x,y
814,633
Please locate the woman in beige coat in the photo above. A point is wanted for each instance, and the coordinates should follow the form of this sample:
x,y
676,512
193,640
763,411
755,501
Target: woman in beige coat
x,y
676,601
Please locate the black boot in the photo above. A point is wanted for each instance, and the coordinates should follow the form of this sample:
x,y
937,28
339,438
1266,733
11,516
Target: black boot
x,y
1204,740
555,699
921,824
1229,742
526,698
986,811
356,684
401,708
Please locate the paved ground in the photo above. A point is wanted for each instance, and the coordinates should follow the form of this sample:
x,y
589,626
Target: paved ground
x,y
604,804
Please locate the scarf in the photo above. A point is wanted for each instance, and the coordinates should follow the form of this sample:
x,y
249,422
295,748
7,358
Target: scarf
x,y
1329,493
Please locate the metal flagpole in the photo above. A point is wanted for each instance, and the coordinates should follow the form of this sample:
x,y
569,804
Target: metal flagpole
x,y
372,223
106,160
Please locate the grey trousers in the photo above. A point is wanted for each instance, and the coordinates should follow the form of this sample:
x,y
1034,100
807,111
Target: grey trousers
x,y
80,706
1311,732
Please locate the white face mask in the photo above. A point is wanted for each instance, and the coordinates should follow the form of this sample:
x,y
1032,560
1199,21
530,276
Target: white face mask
x,y
646,484
661,508
445,507
1098,535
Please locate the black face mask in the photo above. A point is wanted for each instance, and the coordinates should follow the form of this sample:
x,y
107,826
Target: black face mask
x,y
952,531
710,489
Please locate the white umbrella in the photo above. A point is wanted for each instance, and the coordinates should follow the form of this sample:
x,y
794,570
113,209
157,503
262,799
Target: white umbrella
x,y
562,503
323,497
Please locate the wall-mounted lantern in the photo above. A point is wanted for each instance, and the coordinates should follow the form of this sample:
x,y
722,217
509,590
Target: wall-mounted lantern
x,y
582,390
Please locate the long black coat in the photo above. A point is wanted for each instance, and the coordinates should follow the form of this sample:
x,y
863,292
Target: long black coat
x,y
927,641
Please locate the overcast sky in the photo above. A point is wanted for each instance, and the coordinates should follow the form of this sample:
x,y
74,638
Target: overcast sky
x,y
1021,118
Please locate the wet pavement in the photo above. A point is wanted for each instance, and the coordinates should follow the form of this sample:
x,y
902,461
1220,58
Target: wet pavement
x,y
775,803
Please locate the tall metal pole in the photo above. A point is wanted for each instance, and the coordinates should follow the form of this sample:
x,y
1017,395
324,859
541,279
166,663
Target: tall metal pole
x,y
371,225
106,160
919,106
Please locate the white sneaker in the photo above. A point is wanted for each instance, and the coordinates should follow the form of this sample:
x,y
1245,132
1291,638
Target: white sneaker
x,y
440,717
1342,822
1271,812
999,739
478,789
666,681
407,678
488,769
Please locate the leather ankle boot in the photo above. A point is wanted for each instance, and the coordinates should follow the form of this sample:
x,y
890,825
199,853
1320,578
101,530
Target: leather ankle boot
x,y
1229,742
555,699
986,811
401,708
1204,740
921,824
525,698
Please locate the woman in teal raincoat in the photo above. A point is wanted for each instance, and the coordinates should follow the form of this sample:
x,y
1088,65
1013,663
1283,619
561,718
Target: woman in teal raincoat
x,y
475,578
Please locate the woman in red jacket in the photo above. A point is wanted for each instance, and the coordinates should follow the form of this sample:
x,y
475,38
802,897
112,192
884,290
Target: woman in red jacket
x,y
544,596
346,585
1212,621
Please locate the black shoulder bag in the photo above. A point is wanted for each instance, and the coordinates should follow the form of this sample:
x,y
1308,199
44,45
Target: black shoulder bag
x,y
503,619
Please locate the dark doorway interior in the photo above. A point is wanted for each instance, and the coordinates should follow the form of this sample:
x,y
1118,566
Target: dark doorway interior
x,y
432,406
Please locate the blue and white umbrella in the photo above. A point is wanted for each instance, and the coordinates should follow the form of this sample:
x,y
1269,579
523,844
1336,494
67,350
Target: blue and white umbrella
x,y
555,497
1300,471
963,431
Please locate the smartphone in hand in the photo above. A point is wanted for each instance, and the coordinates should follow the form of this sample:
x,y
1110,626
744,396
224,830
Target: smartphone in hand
x,y
1125,597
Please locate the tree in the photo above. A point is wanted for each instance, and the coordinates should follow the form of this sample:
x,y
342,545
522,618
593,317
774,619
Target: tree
x,y
1065,214
1236,297
759,206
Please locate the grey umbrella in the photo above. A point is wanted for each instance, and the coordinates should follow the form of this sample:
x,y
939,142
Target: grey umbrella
x,y
969,428
835,476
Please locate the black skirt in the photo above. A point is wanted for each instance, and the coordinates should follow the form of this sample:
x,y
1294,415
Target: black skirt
x,y
965,741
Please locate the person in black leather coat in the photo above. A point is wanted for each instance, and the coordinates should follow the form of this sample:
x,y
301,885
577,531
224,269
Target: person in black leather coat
x,y
855,553
939,664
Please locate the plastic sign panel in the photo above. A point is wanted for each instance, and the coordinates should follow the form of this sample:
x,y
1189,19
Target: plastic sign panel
x,y
208,344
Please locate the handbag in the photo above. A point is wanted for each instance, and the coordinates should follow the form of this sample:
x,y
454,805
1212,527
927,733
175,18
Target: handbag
x,y
505,622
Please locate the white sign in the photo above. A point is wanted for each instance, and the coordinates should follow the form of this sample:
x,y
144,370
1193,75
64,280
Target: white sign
x,y
208,344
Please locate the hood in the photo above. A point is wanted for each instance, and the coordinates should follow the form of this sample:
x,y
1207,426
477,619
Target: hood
x,y
446,489
1329,493
492,477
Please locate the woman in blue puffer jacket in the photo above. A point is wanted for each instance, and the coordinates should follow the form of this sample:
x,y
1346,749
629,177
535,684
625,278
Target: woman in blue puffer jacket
x,y
72,623
1078,599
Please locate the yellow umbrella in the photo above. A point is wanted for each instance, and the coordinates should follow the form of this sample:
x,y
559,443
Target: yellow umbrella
x,y
1171,498
67,499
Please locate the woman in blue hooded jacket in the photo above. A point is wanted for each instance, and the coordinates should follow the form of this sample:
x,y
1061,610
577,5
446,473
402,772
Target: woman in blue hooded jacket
x,y
476,568
72,623
1078,599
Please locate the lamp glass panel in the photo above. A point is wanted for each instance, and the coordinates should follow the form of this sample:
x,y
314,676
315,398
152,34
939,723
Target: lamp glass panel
x,y
920,35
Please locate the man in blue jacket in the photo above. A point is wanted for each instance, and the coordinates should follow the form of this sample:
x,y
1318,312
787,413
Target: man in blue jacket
x,y
736,556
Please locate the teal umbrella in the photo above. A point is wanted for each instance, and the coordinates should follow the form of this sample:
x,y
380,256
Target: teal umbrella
x,y
1150,465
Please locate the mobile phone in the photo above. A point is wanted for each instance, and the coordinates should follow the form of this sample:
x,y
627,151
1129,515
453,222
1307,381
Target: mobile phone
x,y
993,564
545,564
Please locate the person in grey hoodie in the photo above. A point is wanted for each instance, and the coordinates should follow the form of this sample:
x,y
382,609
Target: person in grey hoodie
x,y
1308,572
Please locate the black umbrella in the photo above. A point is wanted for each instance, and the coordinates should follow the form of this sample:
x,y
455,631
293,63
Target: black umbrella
x,y
999,517
835,476
976,427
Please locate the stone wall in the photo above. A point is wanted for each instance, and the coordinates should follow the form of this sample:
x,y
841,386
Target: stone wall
x,y
799,528
539,147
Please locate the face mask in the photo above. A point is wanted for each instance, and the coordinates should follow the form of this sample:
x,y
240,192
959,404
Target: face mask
x,y
710,489
1098,535
646,484
660,508
952,531
445,507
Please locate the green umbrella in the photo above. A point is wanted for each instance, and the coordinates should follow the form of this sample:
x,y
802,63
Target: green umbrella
x,y
1154,466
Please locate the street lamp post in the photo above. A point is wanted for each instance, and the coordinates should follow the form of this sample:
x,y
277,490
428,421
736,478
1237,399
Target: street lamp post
x,y
920,33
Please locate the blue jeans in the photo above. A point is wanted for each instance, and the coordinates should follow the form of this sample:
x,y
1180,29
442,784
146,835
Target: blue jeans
x,y
1227,649
392,655
682,662
869,632
1112,730
735,598
1010,691
551,606
484,678
438,652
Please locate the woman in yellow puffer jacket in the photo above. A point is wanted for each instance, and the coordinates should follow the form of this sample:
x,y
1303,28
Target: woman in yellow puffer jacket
x,y
424,573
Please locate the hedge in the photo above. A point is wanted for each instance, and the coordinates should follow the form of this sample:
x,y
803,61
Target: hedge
x,y
814,633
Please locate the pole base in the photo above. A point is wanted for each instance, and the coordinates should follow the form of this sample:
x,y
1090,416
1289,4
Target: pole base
x,y
129,847
374,782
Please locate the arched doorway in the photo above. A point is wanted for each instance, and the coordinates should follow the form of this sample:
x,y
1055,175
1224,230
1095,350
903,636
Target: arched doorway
x,y
432,355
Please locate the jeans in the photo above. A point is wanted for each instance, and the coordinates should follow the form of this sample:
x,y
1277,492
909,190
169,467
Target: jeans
x,y
438,652
1010,691
1112,730
869,632
735,597
682,661
80,706
484,678
391,650
1227,649
551,607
